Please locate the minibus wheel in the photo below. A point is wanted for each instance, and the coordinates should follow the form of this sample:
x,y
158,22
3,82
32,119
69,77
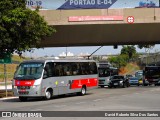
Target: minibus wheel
x,y
83,91
48,94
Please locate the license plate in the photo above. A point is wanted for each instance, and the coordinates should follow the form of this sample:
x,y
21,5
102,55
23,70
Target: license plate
x,y
155,80
101,82
133,82
22,90
115,83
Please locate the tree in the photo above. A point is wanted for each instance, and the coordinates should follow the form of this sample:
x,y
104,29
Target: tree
x,y
21,29
129,50
118,61
145,46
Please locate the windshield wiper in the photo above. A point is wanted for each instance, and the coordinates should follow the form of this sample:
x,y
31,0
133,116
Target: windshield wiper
x,y
26,78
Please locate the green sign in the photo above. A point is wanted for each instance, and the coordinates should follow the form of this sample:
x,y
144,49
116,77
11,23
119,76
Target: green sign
x,y
5,59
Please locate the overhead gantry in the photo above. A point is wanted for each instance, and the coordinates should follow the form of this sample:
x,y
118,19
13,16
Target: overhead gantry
x,y
145,28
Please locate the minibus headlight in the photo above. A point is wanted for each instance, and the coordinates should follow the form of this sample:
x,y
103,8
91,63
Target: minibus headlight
x,y
35,86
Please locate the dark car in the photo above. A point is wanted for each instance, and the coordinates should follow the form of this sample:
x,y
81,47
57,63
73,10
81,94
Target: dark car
x,y
158,83
118,81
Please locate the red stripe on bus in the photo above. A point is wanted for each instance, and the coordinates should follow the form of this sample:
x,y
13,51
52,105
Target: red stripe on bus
x,y
89,82
24,82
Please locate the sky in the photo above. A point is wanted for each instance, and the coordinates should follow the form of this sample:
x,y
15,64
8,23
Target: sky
x,y
105,50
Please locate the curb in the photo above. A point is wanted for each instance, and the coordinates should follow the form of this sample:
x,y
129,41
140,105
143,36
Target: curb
x,y
7,98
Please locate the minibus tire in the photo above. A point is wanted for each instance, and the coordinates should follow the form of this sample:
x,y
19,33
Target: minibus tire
x,y
23,98
83,91
48,94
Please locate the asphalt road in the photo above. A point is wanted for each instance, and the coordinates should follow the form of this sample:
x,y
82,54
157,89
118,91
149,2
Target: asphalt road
x,y
102,99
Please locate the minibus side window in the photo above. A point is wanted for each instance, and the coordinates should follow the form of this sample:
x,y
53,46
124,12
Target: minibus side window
x,y
48,70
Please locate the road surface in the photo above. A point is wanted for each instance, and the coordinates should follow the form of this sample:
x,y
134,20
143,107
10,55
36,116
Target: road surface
x,y
101,99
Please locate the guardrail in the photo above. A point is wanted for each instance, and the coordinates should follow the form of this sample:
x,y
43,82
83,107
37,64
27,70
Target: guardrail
x,y
8,82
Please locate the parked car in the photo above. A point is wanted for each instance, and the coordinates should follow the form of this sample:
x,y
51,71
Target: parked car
x,y
118,81
158,83
134,81
140,81
145,82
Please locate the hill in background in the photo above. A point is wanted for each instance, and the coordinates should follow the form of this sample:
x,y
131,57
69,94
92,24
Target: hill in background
x,y
11,67
130,68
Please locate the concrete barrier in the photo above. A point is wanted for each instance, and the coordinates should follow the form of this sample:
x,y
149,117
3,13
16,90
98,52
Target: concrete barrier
x,y
2,87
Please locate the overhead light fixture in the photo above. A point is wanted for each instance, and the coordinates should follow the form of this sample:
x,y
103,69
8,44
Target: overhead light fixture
x,y
115,46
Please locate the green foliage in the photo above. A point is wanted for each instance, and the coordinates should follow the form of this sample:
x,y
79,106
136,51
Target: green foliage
x,y
127,53
119,61
130,51
20,28
145,46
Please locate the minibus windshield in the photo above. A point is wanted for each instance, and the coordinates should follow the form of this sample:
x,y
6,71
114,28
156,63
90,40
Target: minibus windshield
x,y
29,71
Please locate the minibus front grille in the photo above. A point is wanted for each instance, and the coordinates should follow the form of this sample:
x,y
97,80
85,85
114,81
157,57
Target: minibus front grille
x,y
23,87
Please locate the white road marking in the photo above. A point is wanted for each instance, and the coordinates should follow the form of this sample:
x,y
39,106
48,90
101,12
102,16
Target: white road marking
x,y
97,100
124,95
112,97
80,103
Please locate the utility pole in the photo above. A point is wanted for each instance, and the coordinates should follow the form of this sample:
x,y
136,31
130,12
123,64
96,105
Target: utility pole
x,y
5,77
